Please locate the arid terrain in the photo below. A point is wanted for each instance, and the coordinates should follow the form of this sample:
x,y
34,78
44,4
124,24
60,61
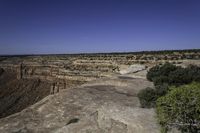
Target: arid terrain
x,y
83,93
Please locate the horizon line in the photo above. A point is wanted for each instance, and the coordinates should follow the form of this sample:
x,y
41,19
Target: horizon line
x,y
90,53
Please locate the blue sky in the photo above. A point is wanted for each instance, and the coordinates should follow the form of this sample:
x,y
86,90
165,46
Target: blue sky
x,y
74,26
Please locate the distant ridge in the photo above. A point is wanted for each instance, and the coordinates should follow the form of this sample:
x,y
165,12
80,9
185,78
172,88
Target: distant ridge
x,y
110,53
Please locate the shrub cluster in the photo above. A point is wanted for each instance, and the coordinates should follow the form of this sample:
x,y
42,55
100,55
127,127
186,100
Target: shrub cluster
x,y
147,97
160,70
178,104
180,108
164,76
173,75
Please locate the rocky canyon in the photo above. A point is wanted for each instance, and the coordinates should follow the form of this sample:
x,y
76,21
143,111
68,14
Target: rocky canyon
x,y
80,93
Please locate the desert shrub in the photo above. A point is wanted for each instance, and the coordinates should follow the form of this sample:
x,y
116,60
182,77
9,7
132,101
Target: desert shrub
x,y
147,97
165,76
193,73
153,72
159,80
177,106
183,76
173,75
180,108
161,90
179,77
162,70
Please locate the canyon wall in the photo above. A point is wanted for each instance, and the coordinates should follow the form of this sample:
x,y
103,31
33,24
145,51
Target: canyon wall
x,y
63,71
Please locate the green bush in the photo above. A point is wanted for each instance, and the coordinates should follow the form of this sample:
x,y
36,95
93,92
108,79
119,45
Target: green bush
x,y
179,77
177,106
184,75
162,70
173,75
147,97
161,90
193,73
164,76
180,108
160,80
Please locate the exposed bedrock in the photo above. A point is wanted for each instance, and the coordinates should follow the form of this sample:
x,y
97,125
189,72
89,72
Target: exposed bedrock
x,y
63,73
95,107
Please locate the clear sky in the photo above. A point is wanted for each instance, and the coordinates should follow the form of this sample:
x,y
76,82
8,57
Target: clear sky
x,y
74,26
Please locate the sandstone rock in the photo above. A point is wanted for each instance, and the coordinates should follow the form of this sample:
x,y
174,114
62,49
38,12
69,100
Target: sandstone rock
x,y
97,107
132,69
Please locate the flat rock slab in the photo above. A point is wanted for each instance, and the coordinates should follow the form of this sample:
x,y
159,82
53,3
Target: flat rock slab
x,y
132,68
102,106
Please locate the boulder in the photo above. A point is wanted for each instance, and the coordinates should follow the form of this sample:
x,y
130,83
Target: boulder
x,y
132,69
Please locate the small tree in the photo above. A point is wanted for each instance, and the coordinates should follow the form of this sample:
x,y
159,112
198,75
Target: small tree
x,y
173,75
162,70
147,97
180,108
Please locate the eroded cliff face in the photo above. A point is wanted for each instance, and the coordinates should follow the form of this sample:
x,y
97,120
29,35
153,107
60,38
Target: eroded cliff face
x,y
65,71
90,64
17,94
62,72
24,81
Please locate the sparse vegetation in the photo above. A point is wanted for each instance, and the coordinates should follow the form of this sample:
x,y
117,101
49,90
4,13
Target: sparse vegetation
x,y
180,108
161,90
147,97
162,71
173,75
178,104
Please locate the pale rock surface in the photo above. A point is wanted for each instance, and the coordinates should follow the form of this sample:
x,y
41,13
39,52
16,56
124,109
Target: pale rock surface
x,y
108,105
132,68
